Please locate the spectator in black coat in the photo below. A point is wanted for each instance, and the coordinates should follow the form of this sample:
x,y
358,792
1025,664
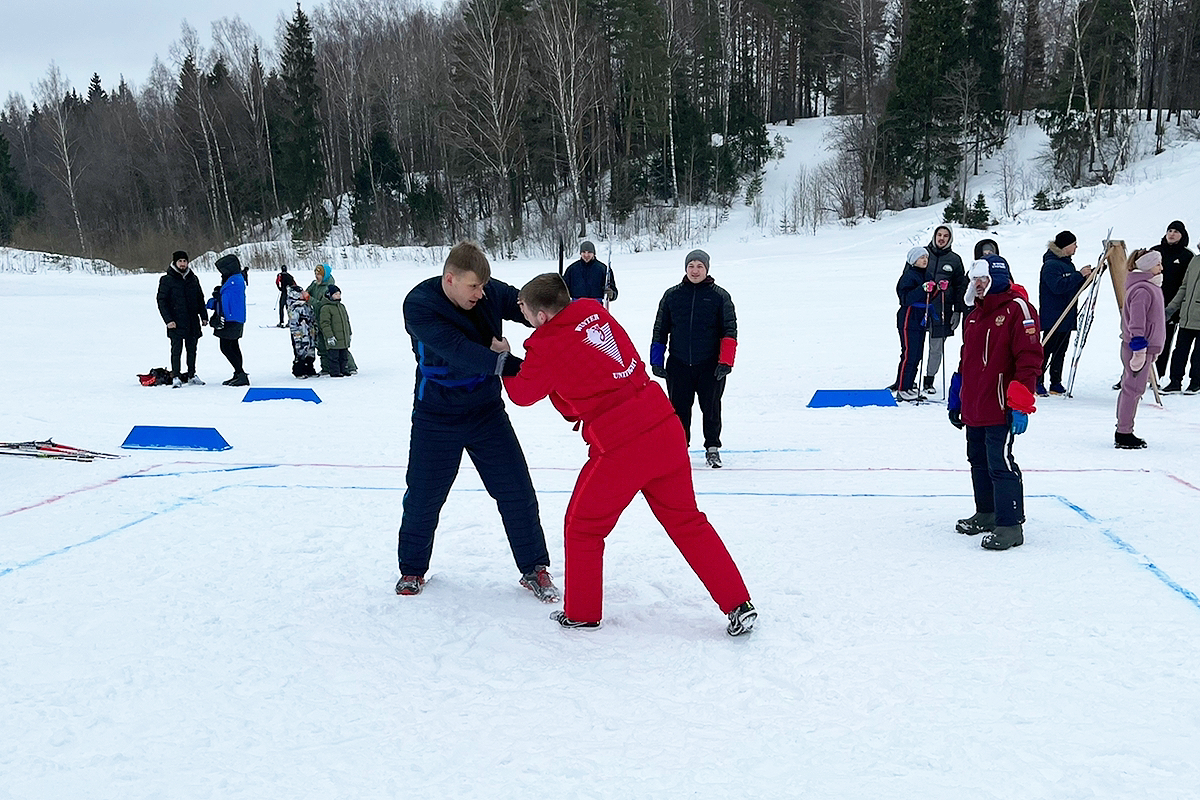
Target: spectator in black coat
x,y
914,291
1175,259
588,277
696,327
945,266
1059,284
181,305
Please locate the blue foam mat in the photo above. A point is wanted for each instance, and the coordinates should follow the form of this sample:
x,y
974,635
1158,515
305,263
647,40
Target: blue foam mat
x,y
151,437
834,398
280,394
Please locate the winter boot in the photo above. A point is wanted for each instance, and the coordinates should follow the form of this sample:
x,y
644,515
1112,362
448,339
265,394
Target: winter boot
x,y
539,582
979,522
742,619
1193,388
1004,537
410,584
712,457
562,619
1041,390
1057,388
928,387
1127,441
1174,387
239,379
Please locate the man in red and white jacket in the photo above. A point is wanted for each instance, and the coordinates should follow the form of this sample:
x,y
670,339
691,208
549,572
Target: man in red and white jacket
x,y
583,360
992,395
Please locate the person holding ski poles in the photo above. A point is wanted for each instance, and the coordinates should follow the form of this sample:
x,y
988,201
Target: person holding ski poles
x,y
1059,284
991,396
583,360
455,322
588,277
916,293
945,267
695,331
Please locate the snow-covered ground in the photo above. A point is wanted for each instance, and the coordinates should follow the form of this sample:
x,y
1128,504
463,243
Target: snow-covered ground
x,y
223,625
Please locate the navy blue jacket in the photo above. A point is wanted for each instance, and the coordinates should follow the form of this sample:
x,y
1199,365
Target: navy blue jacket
x,y
457,372
588,280
1059,284
914,311
695,317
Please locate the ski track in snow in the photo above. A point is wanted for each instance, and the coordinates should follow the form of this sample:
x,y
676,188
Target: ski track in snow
x,y
223,625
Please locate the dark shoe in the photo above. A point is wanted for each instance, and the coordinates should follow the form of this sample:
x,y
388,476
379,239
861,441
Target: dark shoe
x,y
742,619
1041,390
928,385
410,584
979,522
542,586
1174,387
1117,386
562,619
240,379
1193,388
1057,388
712,456
1127,441
1003,538
229,382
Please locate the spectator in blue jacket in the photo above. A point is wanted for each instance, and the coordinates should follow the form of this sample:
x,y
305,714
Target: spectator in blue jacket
x,y
696,327
588,277
1059,284
231,295
914,291
455,322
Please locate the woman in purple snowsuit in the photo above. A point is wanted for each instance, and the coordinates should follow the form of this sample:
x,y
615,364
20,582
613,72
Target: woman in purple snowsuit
x,y
1143,332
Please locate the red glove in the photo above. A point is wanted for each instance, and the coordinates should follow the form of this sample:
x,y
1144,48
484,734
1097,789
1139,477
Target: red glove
x,y
943,285
928,286
1020,398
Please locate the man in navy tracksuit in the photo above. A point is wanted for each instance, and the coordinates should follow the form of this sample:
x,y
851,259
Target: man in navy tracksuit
x,y
588,277
455,324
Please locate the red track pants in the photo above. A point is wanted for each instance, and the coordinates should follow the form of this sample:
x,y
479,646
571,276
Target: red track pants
x,y
656,464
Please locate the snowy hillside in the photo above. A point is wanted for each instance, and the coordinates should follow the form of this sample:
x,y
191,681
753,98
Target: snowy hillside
x,y
185,625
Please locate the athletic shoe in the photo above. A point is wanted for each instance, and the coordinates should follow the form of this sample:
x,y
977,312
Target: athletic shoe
x,y
410,584
1127,441
1193,388
742,619
1041,390
195,381
979,522
713,457
1057,388
538,581
562,619
908,395
1003,538
928,387
1174,387
176,383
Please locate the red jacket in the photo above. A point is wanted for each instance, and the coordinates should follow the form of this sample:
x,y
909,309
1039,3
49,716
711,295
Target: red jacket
x,y
585,362
1001,344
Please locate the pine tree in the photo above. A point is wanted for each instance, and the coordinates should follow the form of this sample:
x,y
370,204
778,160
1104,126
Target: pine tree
x,y
16,202
299,167
983,34
921,124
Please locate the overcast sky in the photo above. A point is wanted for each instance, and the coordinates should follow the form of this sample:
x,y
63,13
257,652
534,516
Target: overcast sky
x,y
114,39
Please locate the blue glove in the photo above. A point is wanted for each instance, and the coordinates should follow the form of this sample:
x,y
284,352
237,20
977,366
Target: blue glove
x,y
1020,421
954,398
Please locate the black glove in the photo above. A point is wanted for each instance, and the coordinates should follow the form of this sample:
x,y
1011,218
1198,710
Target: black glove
x,y
659,372
511,365
955,415
1172,314
722,371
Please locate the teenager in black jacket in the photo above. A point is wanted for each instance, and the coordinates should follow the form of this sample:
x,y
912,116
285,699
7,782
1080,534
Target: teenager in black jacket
x,y
181,304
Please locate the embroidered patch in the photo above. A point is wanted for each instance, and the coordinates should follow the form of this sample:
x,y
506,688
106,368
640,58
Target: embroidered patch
x,y
1000,320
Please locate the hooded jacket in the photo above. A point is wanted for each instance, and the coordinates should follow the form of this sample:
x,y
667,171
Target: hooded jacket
x,y
945,265
1175,259
1187,299
1143,313
335,324
1059,284
1001,344
181,300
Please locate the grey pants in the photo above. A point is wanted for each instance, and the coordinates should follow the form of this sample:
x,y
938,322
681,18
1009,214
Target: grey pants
x,y
934,362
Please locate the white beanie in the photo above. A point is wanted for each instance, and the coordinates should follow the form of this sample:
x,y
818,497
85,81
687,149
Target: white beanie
x,y
914,254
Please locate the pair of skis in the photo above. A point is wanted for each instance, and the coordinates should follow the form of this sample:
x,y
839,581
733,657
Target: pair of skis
x,y
51,449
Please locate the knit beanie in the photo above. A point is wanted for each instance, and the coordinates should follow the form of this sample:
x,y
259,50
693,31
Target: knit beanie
x,y
178,254
1064,240
697,255
587,247
1149,260
332,290
1177,226
914,254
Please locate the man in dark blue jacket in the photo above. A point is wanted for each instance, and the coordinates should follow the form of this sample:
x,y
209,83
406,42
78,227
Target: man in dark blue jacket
x,y
697,324
587,277
1059,284
455,323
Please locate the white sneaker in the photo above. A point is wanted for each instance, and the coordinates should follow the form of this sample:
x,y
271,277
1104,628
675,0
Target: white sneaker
x,y
908,395
175,382
195,381
712,456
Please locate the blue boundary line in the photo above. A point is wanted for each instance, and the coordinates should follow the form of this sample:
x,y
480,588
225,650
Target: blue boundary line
x,y
1120,543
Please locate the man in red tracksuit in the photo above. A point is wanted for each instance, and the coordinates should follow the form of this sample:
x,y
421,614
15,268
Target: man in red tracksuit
x,y
581,358
992,396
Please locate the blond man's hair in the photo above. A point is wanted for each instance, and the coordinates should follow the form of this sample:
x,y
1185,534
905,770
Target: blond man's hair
x,y
468,257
